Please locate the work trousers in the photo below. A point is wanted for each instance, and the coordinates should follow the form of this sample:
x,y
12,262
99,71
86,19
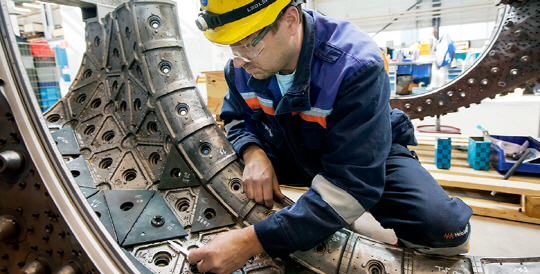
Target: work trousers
x,y
413,204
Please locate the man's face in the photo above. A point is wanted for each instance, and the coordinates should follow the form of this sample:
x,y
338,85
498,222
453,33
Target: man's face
x,y
276,54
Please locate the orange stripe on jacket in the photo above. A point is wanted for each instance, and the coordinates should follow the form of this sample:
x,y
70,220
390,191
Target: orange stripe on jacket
x,y
385,62
312,118
254,103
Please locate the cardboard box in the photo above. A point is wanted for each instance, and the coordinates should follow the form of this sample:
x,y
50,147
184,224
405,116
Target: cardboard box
x,y
216,88
57,33
33,27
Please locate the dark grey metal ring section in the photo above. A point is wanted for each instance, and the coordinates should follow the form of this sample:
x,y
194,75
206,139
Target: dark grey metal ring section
x,y
510,61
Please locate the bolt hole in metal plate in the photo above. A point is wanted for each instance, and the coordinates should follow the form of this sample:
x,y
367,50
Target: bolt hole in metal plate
x,y
154,21
165,67
162,259
126,206
205,149
182,109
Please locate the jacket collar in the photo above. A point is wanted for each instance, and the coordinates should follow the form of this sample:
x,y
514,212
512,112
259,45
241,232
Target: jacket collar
x,y
297,98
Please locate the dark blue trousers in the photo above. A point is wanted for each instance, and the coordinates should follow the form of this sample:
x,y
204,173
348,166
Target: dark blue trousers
x,y
413,204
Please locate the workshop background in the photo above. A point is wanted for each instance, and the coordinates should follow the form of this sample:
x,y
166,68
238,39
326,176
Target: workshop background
x,y
53,43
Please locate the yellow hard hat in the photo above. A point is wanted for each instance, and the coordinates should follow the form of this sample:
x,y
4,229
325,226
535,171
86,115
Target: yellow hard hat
x,y
229,21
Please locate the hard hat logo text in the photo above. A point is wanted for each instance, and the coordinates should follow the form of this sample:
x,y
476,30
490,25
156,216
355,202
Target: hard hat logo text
x,y
257,5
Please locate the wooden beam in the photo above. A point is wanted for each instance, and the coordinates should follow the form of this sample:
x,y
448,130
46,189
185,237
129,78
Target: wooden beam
x,y
499,210
506,186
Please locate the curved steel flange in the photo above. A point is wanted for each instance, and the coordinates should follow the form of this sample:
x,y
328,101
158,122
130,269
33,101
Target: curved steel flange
x,y
511,60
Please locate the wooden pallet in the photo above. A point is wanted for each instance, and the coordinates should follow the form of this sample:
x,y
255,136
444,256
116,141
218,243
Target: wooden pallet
x,y
517,198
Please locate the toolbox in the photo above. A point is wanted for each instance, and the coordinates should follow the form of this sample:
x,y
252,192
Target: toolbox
x,y
498,161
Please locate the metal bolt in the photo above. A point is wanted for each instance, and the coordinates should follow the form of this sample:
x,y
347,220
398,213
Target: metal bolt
x,y
525,59
450,93
428,101
11,161
472,81
514,72
485,82
419,109
158,221
9,228
407,106
520,33
512,47
495,70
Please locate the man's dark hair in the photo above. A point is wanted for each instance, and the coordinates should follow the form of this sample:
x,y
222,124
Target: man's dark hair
x,y
275,27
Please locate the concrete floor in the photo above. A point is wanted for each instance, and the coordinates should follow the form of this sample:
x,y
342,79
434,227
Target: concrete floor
x,y
491,237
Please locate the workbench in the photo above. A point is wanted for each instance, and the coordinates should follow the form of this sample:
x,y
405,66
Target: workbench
x,y
517,198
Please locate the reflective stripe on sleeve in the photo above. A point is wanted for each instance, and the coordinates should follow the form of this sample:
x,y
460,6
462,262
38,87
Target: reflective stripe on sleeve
x,y
316,115
256,102
232,124
340,200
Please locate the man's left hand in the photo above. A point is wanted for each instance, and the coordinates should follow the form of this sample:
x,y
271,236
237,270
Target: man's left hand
x,y
227,252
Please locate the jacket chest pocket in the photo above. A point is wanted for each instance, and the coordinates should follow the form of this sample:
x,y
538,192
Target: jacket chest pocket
x,y
269,130
314,137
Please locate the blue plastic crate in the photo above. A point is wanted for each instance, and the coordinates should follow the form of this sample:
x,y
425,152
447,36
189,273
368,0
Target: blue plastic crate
x,y
404,69
443,153
49,94
499,162
421,70
478,153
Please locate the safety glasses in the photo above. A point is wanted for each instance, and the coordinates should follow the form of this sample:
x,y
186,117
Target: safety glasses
x,y
249,48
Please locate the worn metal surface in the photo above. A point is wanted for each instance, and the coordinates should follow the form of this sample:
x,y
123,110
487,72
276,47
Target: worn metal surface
x,y
510,61
134,108
33,234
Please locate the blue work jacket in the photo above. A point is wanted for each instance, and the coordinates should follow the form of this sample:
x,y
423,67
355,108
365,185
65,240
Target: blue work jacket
x,y
335,123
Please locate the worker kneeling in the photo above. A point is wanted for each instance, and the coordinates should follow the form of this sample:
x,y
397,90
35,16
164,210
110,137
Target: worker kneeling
x,y
308,105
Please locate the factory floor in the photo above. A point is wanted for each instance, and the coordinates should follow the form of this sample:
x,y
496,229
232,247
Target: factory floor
x,y
491,237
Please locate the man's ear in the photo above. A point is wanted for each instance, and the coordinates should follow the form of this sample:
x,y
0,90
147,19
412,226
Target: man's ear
x,y
292,19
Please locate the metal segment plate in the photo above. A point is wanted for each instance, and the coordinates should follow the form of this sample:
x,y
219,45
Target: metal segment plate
x,y
156,223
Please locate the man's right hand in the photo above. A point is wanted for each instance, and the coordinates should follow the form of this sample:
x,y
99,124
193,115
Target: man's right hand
x,y
260,180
